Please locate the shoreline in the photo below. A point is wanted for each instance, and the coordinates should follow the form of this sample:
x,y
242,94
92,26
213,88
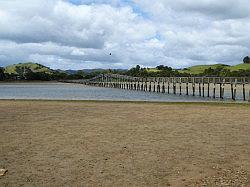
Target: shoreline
x,y
232,103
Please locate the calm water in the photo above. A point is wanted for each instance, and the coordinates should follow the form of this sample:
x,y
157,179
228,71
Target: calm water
x,y
63,91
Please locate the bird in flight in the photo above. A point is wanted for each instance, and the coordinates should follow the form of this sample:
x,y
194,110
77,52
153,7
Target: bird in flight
x,y
109,53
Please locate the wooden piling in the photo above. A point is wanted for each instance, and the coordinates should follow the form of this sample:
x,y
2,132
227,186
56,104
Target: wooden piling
x,y
199,89
163,87
142,85
220,91
244,93
168,87
208,87
193,85
203,89
174,88
214,91
232,91
223,92
158,87
180,87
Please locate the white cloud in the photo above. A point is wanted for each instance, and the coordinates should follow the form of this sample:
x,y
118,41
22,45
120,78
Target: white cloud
x,y
177,33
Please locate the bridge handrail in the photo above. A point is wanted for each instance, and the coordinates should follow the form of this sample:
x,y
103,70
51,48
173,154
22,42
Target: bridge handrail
x,y
205,79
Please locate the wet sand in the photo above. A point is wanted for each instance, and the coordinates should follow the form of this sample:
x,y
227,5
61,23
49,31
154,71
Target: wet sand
x,y
74,143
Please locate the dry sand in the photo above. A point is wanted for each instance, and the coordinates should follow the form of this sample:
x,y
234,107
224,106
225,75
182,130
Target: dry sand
x,y
55,143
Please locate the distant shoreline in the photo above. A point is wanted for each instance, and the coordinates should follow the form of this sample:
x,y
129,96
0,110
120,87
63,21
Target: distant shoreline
x,y
28,81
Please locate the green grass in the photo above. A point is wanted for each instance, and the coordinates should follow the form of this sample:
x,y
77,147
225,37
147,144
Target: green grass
x,y
201,68
239,66
32,66
152,70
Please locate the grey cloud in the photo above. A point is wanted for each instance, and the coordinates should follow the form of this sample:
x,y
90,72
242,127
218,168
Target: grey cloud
x,y
222,9
58,26
176,33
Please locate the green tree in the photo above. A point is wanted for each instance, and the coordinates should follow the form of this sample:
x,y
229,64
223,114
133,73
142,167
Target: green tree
x,y
80,74
2,75
246,60
162,67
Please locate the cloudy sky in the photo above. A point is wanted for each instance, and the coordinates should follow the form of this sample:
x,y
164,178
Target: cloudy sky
x,y
77,34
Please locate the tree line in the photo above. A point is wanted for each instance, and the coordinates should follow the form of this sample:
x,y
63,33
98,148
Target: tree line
x,y
137,71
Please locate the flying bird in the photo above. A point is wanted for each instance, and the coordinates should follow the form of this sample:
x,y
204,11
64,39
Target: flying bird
x,y
109,53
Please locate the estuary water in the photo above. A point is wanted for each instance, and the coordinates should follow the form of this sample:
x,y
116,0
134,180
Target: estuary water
x,y
67,91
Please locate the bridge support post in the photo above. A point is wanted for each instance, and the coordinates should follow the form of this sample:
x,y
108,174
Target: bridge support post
x,y
193,86
158,86
208,87
180,87
174,87
203,88
220,90
168,87
142,86
199,89
163,87
244,93
214,94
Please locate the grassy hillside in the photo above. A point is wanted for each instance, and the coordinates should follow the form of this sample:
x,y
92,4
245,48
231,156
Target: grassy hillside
x,y
34,67
200,68
239,66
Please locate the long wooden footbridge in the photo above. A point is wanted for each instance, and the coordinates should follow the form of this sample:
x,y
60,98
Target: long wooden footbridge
x,y
213,87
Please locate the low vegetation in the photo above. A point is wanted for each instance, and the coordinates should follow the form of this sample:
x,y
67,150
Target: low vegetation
x,y
226,69
222,70
34,71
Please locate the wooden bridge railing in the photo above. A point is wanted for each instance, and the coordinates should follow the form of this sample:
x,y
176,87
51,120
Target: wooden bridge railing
x,y
192,85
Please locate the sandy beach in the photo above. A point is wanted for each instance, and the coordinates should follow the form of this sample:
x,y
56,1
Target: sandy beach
x,y
88,143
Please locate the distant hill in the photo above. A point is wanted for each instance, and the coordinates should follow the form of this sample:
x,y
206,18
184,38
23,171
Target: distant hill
x,y
201,68
34,67
84,70
35,71
239,67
